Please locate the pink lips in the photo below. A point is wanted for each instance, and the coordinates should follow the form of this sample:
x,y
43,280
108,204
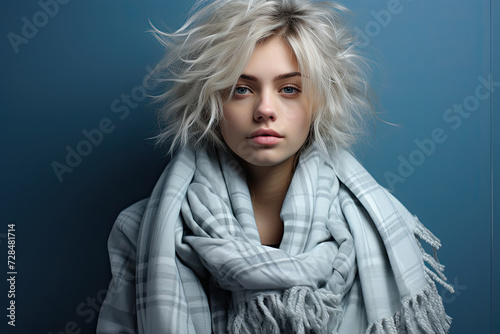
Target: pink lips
x,y
265,137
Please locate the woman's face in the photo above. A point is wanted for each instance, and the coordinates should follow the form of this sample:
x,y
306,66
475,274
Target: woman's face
x,y
268,118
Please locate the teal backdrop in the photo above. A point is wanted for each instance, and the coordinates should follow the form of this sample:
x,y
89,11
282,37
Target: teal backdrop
x,y
76,125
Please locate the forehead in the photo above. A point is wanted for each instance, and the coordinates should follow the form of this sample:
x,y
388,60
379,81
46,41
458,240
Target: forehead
x,y
272,56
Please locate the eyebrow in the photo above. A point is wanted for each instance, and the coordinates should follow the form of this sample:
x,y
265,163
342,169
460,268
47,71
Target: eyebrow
x,y
277,78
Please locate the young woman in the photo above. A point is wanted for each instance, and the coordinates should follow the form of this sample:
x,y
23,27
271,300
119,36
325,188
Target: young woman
x,y
262,221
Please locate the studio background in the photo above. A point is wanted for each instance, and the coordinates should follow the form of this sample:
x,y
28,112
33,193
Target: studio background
x,y
74,69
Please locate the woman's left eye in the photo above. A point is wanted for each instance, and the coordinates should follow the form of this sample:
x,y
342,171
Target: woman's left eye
x,y
290,90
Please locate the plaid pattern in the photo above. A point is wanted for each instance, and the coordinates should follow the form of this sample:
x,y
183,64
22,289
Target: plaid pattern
x,y
196,233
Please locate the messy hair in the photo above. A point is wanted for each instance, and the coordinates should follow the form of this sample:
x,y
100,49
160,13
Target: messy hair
x,y
206,56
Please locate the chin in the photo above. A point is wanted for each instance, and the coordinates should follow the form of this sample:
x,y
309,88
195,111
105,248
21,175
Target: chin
x,y
267,159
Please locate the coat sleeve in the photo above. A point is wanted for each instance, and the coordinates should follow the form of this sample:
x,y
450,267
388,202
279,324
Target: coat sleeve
x,y
118,311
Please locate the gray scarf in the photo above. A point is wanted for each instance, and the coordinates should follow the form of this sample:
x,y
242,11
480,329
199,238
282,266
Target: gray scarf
x,y
350,260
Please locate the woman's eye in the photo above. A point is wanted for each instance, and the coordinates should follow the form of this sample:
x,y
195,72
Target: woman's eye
x,y
290,90
241,90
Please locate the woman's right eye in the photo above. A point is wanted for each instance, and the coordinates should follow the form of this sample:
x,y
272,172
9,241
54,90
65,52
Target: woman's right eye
x,y
241,90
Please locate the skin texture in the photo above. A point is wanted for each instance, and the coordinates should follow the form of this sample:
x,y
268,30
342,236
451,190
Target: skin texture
x,y
268,95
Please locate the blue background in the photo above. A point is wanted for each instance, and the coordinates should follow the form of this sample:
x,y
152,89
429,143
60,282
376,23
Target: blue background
x,y
72,74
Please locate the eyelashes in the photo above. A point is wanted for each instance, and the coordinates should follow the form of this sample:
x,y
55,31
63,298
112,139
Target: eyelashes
x,y
241,90
291,90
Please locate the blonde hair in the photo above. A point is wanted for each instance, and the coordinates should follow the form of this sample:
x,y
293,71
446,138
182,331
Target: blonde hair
x,y
206,56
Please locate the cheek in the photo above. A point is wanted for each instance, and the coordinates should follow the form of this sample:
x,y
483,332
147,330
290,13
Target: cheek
x,y
224,130
229,125
228,118
301,119
236,116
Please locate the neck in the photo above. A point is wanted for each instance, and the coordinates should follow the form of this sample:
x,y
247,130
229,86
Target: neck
x,y
268,185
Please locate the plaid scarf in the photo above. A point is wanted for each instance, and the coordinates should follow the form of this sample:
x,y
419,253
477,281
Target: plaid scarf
x,y
349,260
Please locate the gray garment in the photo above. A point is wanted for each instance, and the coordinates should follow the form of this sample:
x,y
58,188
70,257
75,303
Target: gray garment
x,y
158,270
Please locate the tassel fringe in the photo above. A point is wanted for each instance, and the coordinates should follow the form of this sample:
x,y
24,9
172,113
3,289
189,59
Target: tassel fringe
x,y
299,310
438,274
424,313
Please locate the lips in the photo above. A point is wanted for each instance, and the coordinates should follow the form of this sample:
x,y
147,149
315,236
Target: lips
x,y
265,137
265,133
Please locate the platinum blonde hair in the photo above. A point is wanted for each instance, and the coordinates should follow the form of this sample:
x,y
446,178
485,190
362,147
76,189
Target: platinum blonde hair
x,y
206,56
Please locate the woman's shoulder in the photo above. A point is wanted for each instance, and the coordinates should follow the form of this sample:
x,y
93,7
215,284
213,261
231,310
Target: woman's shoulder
x,y
128,222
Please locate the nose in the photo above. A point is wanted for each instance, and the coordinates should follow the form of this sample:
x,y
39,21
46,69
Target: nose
x,y
266,109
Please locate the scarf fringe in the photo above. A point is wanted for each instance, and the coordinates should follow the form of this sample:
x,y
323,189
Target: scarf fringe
x,y
422,233
424,313
299,310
